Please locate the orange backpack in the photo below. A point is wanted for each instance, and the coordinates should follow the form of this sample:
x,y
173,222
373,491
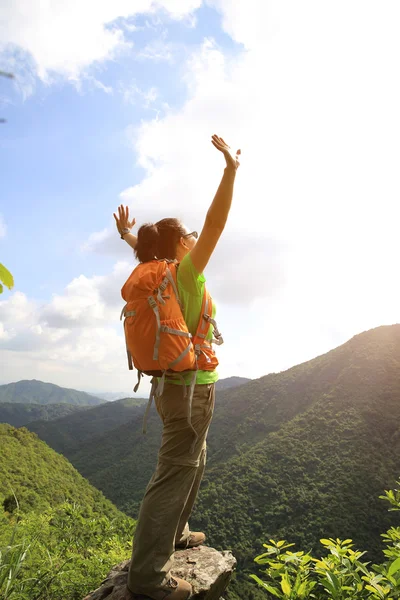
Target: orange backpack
x,y
158,341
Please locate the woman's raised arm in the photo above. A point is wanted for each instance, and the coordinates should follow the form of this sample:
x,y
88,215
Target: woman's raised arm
x,y
218,212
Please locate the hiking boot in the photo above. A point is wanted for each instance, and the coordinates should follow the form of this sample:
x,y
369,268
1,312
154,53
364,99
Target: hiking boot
x,y
195,539
174,589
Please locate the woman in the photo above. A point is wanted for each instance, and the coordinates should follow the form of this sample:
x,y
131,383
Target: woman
x,y
168,501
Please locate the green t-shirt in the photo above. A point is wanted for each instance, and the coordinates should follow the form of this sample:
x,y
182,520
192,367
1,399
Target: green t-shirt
x,y
191,289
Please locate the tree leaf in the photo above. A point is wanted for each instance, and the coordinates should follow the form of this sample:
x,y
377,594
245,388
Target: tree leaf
x,y
269,588
285,585
394,567
302,589
6,277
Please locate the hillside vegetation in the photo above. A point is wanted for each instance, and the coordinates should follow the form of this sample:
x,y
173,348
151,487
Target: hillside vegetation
x,y
19,414
58,535
302,454
67,433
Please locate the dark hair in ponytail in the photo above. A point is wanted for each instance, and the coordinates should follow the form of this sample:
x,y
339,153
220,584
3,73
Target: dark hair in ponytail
x,y
158,240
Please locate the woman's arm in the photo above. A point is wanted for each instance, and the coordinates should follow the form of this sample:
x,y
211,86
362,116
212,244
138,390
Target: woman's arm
x,y
218,212
129,239
124,225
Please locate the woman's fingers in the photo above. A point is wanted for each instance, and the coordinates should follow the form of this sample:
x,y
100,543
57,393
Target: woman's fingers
x,y
216,139
117,222
218,144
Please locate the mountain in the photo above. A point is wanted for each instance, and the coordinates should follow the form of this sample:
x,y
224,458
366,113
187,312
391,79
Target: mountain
x,y
41,478
67,433
39,392
111,396
64,532
310,453
18,414
230,382
301,454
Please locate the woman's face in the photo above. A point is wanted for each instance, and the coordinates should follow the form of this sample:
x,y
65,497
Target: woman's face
x,y
186,243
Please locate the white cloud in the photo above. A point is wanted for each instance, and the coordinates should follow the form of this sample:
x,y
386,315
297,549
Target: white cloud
x,y
134,94
64,39
312,235
74,340
309,256
159,49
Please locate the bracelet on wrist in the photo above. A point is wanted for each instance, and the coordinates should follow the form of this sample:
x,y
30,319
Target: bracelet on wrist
x,y
124,232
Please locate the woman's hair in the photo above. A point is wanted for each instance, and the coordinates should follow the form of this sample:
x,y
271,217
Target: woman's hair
x,y
158,240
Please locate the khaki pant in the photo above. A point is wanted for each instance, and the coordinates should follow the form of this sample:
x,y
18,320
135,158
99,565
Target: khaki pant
x,y
172,490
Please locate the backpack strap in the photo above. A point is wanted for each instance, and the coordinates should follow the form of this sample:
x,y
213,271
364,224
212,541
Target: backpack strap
x,y
154,306
129,313
152,394
181,356
217,339
139,378
172,281
205,322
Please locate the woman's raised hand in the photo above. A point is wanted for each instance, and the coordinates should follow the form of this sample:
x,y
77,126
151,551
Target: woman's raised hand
x,y
122,221
232,160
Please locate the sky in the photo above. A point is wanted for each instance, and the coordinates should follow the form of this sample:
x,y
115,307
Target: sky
x,y
116,103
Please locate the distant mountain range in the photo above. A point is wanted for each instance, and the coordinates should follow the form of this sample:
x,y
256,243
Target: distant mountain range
x,y
67,433
39,392
300,455
48,402
111,396
222,384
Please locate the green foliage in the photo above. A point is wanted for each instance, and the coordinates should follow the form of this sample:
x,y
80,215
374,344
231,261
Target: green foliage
x,y
62,536
40,478
296,455
63,552
6,278
340,575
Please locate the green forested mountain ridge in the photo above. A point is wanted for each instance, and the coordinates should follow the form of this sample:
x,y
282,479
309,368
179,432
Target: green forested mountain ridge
x,y
18,414
230,382
40,392
308,460
121,461
299,455
66,433
59,536
370,360
41,478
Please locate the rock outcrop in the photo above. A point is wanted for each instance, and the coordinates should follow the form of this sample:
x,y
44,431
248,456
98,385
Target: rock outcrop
x,y
208,571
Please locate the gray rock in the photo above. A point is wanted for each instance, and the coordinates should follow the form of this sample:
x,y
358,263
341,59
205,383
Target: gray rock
x,y
206,569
